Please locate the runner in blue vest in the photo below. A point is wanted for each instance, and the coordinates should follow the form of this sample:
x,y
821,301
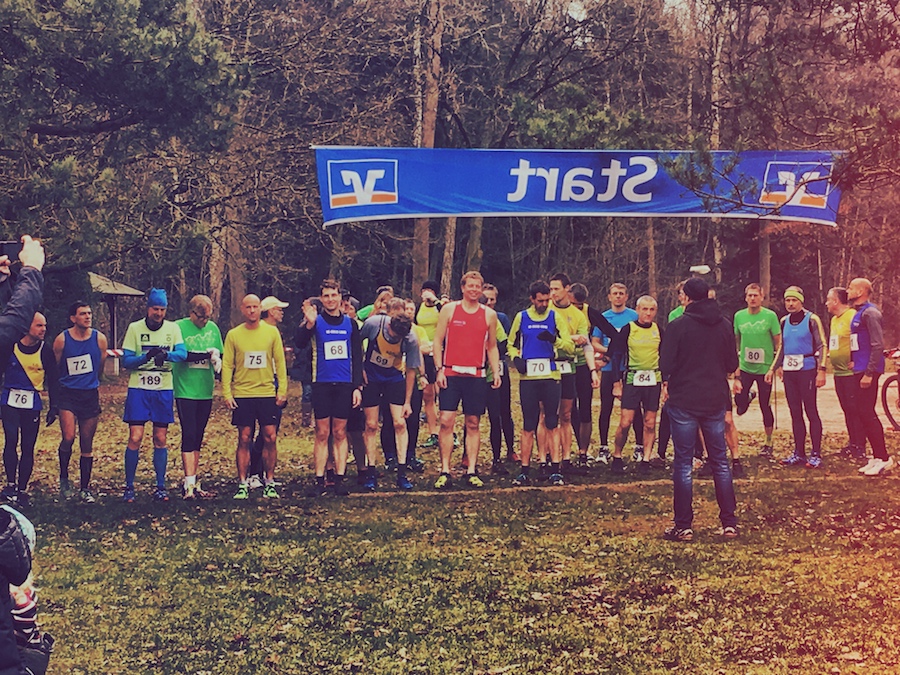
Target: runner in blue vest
x,y
800,362
80,352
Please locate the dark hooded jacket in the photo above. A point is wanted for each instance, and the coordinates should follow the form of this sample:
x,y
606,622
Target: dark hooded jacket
x,y
696,358
15,564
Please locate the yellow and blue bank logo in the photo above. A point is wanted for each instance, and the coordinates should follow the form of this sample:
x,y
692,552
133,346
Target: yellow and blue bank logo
x,y
797,184
362,182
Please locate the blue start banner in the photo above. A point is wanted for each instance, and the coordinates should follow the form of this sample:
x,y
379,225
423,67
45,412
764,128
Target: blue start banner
x,y
358,183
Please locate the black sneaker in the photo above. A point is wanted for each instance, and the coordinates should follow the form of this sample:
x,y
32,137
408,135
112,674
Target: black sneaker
x,y
22,499
341,489
390,464
673,533
737,469
415,465
617,466
544,470
643,468
741,409
497,469
657,462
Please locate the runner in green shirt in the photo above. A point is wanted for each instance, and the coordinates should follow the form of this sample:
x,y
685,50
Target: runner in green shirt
x,y
194,383
757,333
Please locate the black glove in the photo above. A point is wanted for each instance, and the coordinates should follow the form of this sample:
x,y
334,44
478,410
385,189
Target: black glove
x,y
520,365
160,358
52,414
153,352
546,336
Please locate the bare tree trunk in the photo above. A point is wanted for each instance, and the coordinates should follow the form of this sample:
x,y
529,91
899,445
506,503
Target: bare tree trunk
x,y
449,243
432,18
765,262
216,272
234,263
474,254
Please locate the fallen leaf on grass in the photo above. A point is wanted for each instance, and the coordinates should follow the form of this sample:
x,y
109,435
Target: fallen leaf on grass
x,y
852,656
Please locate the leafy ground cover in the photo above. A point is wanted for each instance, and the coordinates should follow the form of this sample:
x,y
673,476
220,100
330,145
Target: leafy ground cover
x,y
549,580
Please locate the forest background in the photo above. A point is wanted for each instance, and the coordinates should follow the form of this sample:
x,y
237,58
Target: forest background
x,y
167,142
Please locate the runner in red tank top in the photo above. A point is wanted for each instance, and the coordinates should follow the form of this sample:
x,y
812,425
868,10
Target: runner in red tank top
x,y
466,332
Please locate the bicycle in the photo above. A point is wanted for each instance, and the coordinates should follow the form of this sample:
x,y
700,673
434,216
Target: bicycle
x,y
890,390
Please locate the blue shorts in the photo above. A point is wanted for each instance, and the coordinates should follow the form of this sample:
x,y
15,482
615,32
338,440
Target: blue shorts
x,y
145,405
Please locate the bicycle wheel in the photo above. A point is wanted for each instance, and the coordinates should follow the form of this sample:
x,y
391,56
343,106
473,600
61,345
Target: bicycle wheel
x,y
890,400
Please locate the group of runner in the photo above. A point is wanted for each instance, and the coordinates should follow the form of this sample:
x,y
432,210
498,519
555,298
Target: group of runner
x,y
376,369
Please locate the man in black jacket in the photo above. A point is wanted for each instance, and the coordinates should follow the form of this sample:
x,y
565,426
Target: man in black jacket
x,y
695,360
15,564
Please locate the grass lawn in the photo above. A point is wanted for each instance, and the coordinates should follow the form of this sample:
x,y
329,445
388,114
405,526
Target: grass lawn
x,y
551,580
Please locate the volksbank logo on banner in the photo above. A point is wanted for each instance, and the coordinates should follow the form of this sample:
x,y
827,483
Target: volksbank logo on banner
x,y
789,183
359,184
362,182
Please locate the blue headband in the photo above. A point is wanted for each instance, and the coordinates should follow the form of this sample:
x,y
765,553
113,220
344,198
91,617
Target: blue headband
x,y
157,298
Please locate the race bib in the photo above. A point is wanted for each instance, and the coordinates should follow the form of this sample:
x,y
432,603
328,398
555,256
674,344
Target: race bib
x,y
336,350
80,365
793,362
202,365
854,342
254,360
754,355
380,359
465,370
644,378
149,380
564,367
21,398
834,342
537,367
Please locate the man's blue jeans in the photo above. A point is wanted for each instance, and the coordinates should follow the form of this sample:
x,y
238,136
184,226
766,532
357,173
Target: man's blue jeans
x,y
684,437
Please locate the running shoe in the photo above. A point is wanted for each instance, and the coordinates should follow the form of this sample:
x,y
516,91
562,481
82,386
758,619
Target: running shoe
x,y
329,477
66,491
813,462
341,489
513,456
872,461
187,492
23,501
643,468
729,532
583,462
544,470
254,482
443,482
370,484
741,409
9,493
766,451
128,495
497,469
243,491
557,479
200,493
472,480
404,483
737,469
415,465
881,466
430,442
390,464
603,455
269,492
637,454
160,494
657,462
617,466
794,460
86,496
522,480
678,534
